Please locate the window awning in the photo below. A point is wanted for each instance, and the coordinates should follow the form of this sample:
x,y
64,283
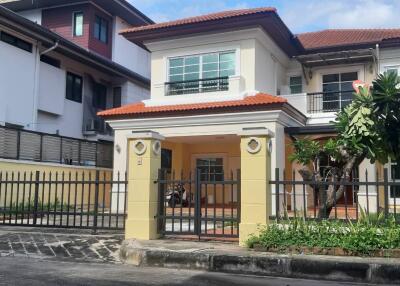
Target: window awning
x,y
340,57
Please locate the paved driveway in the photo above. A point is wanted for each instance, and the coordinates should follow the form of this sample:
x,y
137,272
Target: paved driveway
x,y
54,244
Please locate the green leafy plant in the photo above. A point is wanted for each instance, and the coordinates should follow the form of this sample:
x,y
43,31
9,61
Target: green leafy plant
x,y
368,128
363,237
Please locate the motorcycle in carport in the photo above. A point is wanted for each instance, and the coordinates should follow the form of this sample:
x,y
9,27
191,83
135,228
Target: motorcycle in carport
x,y
176,195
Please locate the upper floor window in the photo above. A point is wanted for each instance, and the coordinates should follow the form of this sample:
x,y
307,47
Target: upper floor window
x,y
78,24
100,96
392,70
337,90
201,73
101,29
117,96
295,84
74,87
16,42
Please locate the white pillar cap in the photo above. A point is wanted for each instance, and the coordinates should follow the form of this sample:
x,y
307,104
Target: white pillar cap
x,y
256,131
146,134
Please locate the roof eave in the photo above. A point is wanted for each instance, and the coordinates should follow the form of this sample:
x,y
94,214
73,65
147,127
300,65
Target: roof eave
x,y
273,26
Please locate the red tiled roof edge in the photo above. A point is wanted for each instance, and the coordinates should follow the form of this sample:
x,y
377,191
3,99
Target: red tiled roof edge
x,y
140,108
345,37
202,18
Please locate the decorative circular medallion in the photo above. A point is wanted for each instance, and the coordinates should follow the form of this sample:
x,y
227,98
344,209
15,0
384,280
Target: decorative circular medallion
x,y
157,147
253,145
139,147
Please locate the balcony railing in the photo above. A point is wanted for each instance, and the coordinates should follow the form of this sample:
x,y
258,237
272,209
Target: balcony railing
x,y
197,86
321,102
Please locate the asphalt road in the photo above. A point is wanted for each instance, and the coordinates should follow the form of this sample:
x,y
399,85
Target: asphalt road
x,y
23,271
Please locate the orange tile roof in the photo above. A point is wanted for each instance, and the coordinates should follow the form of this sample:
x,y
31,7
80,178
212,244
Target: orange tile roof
x,y
344,37
202,18
139,108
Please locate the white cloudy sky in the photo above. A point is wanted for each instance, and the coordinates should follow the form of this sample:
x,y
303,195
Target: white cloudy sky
x,y
299,15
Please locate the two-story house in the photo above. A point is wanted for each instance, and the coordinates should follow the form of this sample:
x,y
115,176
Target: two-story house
x,y
64,61
220,75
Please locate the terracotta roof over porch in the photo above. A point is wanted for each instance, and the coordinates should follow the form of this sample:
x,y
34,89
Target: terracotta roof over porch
x,y
137,109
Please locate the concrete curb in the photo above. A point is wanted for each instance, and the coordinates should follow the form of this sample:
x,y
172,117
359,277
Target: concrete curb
x,y
350,269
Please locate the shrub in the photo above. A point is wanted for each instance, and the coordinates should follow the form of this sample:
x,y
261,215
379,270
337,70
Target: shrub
x,y
363,237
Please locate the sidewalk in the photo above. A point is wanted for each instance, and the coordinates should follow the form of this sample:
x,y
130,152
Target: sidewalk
x,y
230,258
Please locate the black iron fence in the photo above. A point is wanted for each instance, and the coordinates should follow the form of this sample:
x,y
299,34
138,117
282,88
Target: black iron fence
x,y
192,206
41,147
319,102
374,195
197,86
90,200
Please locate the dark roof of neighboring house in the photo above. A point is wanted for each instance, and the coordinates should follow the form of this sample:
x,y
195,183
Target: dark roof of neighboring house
x,y
265,17
342,38
72,50
121,8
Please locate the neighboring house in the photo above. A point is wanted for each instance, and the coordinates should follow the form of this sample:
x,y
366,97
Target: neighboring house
x,y
219,75
64,61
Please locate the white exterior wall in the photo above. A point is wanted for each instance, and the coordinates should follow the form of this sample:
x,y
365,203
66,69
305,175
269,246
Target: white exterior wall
x,y
17,85
33,15
127,53
51,89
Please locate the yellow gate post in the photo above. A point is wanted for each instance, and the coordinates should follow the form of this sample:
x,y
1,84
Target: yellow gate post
x,y
144,161
255,159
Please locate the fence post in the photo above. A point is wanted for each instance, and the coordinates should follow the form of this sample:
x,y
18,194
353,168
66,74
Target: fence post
x,y
197,222
18,144
96,202
277,211
36,199
386,191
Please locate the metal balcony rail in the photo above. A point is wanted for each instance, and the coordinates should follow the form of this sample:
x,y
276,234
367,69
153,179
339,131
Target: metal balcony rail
x,y
321,102
197,86
28,145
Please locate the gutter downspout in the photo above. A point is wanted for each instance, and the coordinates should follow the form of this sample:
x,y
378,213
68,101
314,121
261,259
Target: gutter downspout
x,y
55,46
37,81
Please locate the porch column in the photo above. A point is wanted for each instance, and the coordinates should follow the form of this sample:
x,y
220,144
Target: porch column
x,y
255,175
144,160
367,196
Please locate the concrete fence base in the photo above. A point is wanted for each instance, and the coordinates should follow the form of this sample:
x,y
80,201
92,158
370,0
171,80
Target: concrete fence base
x,y
350,269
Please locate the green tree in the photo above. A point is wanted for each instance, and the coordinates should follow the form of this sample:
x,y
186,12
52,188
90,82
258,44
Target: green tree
x,y
368,128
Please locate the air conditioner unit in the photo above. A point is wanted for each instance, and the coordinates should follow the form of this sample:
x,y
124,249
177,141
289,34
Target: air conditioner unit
x,y
96,125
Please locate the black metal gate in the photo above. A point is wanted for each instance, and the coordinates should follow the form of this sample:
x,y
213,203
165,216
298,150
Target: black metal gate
x,y
88,200
194,206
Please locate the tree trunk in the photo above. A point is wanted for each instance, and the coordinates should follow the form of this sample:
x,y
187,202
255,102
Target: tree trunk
x,y
328,198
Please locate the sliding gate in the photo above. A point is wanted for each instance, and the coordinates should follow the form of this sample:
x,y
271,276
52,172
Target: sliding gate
x,y
198,206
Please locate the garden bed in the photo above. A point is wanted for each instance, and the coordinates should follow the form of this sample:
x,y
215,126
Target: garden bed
x,y
371,236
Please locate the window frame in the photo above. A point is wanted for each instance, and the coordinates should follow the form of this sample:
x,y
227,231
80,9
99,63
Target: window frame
x,y
107,27
115,96
339,82
17,41
75,76
290,85
97,101
201,71
74,17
